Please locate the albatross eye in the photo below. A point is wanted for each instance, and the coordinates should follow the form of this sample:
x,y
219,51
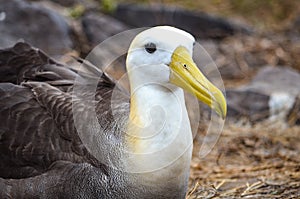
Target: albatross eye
x,y
150,47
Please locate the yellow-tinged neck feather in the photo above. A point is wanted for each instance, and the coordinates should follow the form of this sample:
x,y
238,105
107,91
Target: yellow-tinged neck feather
x,y
158,130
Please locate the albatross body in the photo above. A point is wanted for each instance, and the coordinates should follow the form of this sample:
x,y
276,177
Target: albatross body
x,y
146,140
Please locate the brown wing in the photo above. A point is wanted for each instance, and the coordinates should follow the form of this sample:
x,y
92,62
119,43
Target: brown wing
x,y
37,127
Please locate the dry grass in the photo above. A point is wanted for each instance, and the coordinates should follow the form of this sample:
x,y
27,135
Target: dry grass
x,y
261,161
264,15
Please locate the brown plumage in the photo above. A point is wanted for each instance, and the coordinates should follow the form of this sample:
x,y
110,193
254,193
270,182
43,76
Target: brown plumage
x,y
41,152
68,132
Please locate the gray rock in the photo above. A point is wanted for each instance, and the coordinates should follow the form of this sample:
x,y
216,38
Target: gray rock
x,y
43,28
67,3
271,94
98,27
211,47
292,34
270,80
200,24
249,104
296,24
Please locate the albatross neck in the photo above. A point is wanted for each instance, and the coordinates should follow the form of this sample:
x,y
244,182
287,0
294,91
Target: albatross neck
x,y
159,128
158,134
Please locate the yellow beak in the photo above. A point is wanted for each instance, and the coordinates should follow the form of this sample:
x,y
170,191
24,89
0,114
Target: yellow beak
x,y
185,74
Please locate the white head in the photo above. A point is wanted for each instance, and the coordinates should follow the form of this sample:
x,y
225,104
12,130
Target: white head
x,y
151,51
156,46
163,55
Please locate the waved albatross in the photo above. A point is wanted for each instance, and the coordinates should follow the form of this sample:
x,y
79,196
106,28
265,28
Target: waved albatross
x,y
43,155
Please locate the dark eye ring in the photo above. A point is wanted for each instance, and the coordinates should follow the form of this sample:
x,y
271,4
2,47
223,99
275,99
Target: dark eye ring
x,y
150,47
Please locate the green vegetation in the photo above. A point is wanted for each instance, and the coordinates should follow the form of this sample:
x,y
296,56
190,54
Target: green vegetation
x,y
264,14
76,11
108,6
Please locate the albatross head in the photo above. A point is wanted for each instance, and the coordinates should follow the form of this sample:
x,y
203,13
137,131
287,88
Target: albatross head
x,y
163,55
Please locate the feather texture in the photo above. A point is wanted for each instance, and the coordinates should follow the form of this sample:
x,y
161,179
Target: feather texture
x,y
38,140
42,119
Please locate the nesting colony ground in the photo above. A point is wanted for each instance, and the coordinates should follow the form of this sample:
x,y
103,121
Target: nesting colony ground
x,y
261,161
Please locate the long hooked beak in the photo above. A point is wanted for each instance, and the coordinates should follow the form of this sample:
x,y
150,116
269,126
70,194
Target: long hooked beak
x,y
185,74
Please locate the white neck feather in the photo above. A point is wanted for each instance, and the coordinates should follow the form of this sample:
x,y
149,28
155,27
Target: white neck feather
x,y
160,135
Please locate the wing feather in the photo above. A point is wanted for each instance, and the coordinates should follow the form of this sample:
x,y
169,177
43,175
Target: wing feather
x,y
37,127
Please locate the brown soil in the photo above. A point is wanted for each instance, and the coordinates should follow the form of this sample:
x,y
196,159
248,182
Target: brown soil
x,y
260,161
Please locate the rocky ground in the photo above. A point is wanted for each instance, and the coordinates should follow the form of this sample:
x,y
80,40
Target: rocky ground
x,y
257,155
